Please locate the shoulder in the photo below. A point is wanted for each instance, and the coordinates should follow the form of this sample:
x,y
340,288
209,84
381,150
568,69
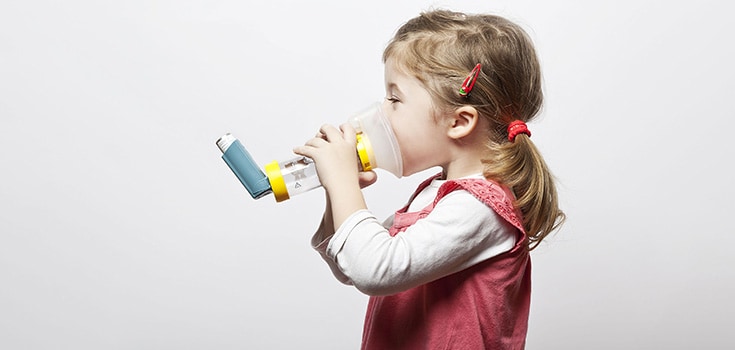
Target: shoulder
x,y
490,193
464,218
465,209
482,189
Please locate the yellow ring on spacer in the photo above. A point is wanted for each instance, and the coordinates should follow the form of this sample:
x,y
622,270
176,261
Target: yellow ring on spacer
x,y
278,185
364,149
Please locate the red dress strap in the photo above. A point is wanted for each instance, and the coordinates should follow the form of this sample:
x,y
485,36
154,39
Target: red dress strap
x,y
496,196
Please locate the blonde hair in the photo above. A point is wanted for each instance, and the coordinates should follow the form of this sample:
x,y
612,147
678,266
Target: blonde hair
x,y
440,48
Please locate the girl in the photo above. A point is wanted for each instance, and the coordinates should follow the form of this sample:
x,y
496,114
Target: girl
x,y
451,269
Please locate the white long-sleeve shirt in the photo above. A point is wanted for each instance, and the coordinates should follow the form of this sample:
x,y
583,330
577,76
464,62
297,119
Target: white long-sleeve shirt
x,y
459,232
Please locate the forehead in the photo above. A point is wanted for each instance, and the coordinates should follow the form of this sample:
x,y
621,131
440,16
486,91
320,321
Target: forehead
x,y
397,75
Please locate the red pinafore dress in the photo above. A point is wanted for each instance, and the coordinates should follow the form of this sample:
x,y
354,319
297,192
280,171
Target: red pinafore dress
x,y
482,307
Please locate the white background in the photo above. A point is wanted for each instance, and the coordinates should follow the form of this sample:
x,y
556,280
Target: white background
x,y
122,228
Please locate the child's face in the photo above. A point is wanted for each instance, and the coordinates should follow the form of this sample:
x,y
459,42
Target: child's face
x,y
423,141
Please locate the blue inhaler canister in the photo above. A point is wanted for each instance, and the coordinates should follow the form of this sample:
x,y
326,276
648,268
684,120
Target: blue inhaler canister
x,y
244,167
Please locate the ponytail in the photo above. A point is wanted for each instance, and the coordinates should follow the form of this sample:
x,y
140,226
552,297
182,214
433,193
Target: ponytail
x,y
519,166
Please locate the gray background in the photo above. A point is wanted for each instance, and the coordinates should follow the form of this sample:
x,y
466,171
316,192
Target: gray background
x,y
121,227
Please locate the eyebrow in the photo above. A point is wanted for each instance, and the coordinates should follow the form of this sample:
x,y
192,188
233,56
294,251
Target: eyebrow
x,y
394,86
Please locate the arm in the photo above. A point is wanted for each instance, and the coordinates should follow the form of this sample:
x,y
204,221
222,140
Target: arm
x,y
321,241
460,232
321,238
335,161
334,155
326,227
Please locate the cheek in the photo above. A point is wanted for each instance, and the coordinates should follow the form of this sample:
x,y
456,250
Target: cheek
x,y
398,127
403,137
412,150
402,141
407,132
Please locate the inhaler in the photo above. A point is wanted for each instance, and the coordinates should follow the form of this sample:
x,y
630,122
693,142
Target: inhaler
x,y
375,144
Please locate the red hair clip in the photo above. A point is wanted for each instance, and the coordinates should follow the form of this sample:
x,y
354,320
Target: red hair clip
x,y
469,82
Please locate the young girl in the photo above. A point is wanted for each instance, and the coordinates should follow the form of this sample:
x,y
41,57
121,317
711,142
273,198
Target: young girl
x,y
451,269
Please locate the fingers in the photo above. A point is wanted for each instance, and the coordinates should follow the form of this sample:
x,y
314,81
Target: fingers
x,y
330,132
345,132
316,142
321,138
327,134
348,131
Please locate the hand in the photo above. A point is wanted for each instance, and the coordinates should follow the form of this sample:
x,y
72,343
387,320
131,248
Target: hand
x,y
335,158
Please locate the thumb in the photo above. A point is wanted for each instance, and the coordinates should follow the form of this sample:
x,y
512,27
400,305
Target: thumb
x,y
367,178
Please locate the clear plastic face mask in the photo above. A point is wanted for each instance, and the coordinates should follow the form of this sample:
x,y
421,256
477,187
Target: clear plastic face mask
x,y
378,139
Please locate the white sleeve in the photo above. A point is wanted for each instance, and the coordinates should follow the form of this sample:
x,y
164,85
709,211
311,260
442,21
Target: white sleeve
x,y
460,232
320,242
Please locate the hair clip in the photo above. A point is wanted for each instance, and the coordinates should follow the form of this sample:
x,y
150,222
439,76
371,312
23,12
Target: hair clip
x,y
469,83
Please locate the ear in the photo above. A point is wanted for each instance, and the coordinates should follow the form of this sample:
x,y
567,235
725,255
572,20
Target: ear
x,y
463,122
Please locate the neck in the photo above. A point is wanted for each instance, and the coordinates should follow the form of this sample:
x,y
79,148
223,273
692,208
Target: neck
x,y
462,167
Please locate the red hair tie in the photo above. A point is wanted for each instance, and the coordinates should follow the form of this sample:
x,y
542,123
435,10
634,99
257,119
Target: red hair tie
x,y
517,127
